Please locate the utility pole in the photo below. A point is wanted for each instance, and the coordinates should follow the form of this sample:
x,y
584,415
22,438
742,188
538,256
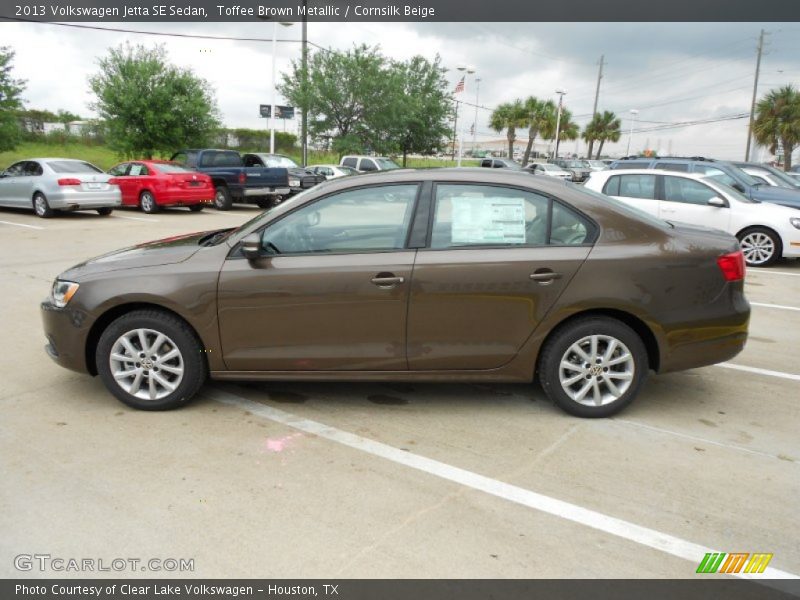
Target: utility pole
x,y
596,98
755,93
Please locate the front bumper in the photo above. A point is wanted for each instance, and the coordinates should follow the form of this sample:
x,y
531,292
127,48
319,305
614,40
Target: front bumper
x,y
66,331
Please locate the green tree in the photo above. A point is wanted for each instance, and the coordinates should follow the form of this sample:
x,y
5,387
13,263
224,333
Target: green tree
x,y
605,127
778,121
508,117
538,114
415,118
10,101
151,107
567,128
345,91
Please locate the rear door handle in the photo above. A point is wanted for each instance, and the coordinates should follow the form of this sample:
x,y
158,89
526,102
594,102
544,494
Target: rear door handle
x,y
387,280
543,276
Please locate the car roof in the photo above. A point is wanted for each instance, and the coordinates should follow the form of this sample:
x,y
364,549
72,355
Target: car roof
x,y
615,172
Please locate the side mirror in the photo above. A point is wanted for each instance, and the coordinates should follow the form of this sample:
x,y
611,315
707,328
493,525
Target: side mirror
x,y
718,202
251,246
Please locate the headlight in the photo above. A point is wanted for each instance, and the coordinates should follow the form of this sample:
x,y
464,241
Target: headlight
x,y
795,221
62,292
294,183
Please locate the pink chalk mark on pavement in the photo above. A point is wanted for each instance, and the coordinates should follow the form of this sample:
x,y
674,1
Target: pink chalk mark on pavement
x,y
280,444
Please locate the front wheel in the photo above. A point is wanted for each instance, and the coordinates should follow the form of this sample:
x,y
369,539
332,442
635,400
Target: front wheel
x,y
593,367
151,360
761,247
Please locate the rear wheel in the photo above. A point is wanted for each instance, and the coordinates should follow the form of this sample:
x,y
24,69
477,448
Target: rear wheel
x,y
41,207
196,207
593,367
147,202
761,246
150,360
105,211
222,198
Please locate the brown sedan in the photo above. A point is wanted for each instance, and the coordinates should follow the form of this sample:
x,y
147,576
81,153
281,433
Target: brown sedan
x,y
438,275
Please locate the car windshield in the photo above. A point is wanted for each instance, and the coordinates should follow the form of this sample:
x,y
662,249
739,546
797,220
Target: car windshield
x,y
547,167
574,164
627,208
72,166
743,177
278,162
170,168
596,163
782,179
385,164
348,171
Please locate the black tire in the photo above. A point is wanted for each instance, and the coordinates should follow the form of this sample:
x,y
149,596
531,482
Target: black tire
x,y
559,347
105,211
41,207
222,198
757,243
147,202
196,207
178,336
266,202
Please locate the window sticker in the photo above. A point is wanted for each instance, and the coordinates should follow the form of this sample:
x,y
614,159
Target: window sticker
x,y
488,220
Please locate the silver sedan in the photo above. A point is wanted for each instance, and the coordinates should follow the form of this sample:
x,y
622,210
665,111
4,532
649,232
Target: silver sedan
x,y
47,185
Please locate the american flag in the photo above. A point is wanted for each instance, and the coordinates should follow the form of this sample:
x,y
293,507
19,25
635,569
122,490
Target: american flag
x,y
460,85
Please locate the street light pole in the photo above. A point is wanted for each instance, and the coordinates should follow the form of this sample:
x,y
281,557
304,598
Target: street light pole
x,y
475,122
304,64
272,95
560,93
633,112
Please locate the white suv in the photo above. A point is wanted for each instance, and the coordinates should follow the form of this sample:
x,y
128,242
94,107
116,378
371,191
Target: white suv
x,y
367,164
765,231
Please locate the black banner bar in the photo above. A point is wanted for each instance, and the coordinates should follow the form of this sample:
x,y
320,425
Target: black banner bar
x,y
404,10
702,588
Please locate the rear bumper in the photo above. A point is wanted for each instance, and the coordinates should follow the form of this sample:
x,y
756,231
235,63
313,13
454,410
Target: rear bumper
x,y
66,332
75,200
267,191
185,197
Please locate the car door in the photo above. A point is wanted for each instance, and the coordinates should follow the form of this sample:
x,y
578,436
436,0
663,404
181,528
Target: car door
x,y
686,200
497,259
637,190
140,179
13,184
331,290
125,184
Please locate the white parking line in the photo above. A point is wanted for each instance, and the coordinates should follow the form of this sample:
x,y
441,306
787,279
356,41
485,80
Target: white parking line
x,y
778,306
771,272
758,371
645,536
149,220
21,225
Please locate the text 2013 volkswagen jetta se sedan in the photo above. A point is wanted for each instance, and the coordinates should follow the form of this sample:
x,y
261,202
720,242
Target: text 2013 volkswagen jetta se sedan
x,y
439,275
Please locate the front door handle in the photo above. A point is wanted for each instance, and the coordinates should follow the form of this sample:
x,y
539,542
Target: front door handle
x,y
545,276
387,280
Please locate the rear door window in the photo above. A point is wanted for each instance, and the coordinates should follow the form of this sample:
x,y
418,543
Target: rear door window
x,y
350,161
637,186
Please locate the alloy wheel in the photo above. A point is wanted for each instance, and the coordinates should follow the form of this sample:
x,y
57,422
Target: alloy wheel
x,y
757,247
146,364
596,370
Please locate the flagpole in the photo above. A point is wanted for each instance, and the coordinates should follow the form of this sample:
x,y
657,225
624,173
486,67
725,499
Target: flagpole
x,y
463,90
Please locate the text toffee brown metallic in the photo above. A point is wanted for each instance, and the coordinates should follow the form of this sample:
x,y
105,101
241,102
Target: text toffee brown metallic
x,y
438,275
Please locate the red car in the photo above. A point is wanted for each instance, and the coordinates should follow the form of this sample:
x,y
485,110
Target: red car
x,y
151,184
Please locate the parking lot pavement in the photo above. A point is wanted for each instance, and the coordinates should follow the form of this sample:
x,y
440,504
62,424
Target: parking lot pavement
x,y
388,480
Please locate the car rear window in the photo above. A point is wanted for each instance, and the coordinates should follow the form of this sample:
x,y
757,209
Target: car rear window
x,y
220,159
351,162
72,166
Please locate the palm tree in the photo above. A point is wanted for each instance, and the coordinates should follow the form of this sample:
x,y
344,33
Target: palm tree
x,y
778,121
538,113
567,128
606,127
508,116
590,133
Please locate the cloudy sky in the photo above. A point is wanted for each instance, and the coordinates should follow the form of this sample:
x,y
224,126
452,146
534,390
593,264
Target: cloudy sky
x,y
670,72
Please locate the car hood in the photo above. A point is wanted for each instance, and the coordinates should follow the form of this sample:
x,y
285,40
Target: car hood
x,y
166,251
767,193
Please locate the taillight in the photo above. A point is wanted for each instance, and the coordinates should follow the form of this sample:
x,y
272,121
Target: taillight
x,y
69,181
732,266
242,177
113,181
